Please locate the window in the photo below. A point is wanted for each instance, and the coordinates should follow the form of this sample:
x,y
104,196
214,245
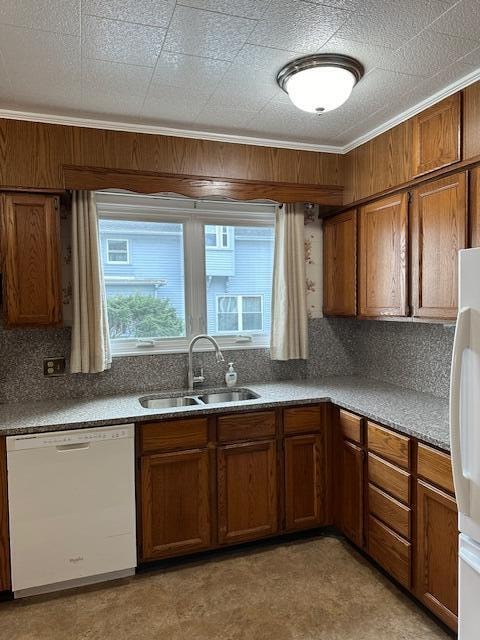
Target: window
x,y
217,237
180,284
239,313
117,251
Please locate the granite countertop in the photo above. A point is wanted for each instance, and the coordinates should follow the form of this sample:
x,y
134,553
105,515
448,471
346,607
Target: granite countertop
x,y
417,414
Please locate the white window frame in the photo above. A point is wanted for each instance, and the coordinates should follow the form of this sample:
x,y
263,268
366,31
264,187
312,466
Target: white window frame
x,y
239,298
127,261
218,246
194,215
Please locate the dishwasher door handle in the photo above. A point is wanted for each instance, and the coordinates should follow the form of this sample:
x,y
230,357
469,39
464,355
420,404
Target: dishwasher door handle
x,y
73,447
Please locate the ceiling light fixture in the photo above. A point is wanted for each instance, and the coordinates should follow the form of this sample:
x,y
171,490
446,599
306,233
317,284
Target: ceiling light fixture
x,y
320,82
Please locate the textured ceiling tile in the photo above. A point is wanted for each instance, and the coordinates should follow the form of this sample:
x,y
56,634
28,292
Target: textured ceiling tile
x,y
461,20
156,13
224,118
297,26
242,8
472,58
390,23
59,16
205,33
174,103
369,55
428,53
258,58
126,104
116,41
179,70
111,77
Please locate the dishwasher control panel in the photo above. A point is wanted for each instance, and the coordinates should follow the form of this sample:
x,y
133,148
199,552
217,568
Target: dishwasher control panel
x,y
62,438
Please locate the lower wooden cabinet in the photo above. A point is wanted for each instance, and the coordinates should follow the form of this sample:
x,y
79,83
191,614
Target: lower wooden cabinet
x,y
175,499
436,582
247,491
390,550
305,465
351,489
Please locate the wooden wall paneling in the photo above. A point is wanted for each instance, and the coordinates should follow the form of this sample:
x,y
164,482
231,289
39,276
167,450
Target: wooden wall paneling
x,y
4,536
382,257
436,136
471,121
474,207
439,230
340,264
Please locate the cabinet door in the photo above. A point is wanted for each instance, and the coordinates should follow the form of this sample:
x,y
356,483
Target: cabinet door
x,y
4,540
439,230
247,491
474,207
340,264
304,481
436,136
351,484
31,259
383,257
437,552
175,503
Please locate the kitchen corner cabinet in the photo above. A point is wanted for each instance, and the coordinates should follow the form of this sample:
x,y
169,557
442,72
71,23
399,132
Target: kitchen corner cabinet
x,y
383,238
351,487
474,206
247,491
439,230
175,503
340,264
4,539
436,136
30,240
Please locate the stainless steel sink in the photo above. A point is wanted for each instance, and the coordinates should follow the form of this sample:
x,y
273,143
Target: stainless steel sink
x,y
228,396
152,402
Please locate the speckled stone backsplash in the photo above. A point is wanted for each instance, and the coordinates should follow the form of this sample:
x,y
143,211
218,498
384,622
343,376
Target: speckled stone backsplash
x,y
416,356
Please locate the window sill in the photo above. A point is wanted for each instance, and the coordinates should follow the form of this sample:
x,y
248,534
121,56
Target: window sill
x,y
167,350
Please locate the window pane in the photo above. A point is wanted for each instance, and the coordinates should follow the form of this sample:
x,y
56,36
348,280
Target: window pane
x,y
146,296
244,274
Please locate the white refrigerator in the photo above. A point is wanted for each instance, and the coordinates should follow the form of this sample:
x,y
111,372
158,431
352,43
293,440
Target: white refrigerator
x,y
465,440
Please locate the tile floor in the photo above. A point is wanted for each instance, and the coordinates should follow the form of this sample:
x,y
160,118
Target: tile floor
x,y
314,589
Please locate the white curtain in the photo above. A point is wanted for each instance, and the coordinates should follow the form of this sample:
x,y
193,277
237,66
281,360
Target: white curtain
x,y
90,338
289,339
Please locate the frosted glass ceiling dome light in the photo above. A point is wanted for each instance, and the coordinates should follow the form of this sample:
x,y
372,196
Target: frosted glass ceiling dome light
x,y
320,82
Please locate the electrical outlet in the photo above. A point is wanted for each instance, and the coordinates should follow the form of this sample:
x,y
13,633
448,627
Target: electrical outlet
x,y
54,367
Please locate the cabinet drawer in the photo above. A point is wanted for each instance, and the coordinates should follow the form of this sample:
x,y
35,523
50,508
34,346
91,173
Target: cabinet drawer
x,y
302,419
388,444
391,512
390,550
351,426
173,434
246,426
435,466
391,479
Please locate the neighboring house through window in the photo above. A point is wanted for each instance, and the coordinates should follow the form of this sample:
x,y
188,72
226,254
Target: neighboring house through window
x,y
239,313
217,237
117,251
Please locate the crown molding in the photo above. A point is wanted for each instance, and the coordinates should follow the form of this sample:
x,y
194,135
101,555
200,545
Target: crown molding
x,y
132,127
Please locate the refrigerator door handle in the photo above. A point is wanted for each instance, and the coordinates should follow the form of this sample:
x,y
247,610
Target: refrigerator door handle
x,y
461,343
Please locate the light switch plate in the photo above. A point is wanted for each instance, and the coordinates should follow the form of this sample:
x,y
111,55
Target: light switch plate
x,y
54,367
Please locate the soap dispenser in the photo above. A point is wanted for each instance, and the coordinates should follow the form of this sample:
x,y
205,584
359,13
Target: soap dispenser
x,y
231,376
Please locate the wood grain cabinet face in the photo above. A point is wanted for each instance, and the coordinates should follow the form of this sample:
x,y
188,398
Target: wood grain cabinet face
x,y
351,485
474,207
383,257
4,539
439,230
30,235
175,502
247,491
304,481
437,552
436,136
340,264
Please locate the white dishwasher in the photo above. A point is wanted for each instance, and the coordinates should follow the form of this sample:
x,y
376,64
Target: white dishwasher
x,y
72,507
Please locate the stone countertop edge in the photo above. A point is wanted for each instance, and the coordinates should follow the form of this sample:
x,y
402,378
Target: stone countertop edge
x,y
416,414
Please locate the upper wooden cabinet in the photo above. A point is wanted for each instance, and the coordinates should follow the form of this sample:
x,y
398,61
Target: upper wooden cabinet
x,y
340,264
439,230
30,238
436,136
382,257
474,207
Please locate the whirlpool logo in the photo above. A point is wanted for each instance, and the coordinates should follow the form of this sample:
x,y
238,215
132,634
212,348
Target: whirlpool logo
x,y
76,560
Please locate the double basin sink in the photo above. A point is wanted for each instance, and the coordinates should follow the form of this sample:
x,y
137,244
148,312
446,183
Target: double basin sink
x,y
155,402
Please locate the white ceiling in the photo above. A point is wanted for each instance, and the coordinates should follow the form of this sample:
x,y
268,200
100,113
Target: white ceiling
x,y
210,65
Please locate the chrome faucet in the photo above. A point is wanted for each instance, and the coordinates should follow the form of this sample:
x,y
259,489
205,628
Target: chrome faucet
x,y
198,379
